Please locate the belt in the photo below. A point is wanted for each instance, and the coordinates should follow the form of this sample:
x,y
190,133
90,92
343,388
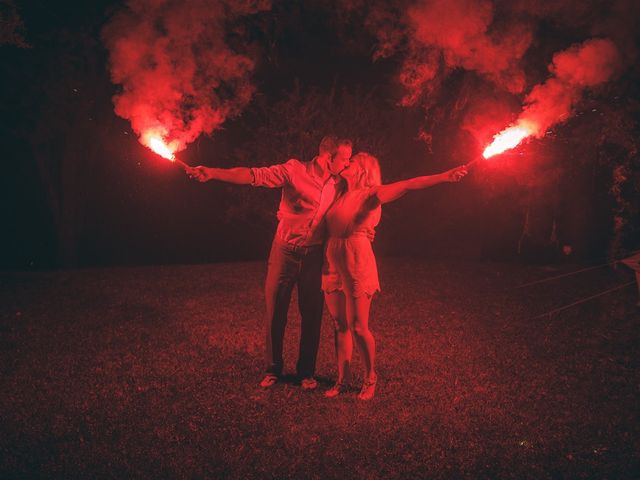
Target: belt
x,y
301,249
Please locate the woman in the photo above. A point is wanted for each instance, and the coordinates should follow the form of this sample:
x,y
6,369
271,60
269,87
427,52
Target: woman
x,y
350,275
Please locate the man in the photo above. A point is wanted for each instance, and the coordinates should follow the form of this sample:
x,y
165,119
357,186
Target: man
x,y
308,190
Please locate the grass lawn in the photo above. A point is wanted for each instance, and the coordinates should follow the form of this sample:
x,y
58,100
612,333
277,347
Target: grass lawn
x,y
153,372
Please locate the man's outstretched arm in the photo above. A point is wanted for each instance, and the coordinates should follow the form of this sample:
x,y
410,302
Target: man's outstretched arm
x,y
237,175
275,176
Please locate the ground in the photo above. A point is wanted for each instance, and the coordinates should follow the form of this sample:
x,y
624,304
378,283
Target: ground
x,y
153,372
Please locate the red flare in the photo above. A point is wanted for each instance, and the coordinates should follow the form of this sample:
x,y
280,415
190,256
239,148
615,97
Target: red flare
x,y
509,138
154,140
166,150
157,145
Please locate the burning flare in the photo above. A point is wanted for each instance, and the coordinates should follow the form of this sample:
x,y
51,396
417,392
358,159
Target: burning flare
x,y
156,143
508,139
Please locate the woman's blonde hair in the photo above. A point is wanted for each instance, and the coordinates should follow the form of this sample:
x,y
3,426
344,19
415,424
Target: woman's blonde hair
x,y
370,170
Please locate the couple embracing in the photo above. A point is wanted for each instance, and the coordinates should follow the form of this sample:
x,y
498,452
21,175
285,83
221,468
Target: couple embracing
x,y
329,209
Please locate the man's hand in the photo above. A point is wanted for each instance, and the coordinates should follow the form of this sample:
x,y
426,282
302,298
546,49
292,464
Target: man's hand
x,y
456,174
200,173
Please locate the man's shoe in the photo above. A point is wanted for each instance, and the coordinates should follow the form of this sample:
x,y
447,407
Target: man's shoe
x,y
309,383
269,380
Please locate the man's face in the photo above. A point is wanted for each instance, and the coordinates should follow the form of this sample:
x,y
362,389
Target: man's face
x,y
340,160
351,171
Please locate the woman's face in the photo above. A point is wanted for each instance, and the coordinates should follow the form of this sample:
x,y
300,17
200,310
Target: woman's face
x,y
351,171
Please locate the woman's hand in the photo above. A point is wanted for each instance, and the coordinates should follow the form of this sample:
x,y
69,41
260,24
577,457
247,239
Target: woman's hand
x,y
456,174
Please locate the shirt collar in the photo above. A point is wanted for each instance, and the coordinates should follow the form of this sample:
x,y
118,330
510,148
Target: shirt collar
x,y
314,169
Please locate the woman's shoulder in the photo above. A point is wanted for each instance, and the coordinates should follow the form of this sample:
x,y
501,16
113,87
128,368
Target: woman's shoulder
x,y
367,200
368,195
357,196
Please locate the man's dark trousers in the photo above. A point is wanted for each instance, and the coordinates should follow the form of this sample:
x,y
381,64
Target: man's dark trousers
x,y
290,265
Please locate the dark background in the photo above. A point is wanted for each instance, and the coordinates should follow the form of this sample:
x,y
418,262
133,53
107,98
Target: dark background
x,y
79,190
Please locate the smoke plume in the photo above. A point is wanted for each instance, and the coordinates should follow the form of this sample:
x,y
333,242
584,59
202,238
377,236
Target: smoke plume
x,y
589,64
492,38
179,77
466,36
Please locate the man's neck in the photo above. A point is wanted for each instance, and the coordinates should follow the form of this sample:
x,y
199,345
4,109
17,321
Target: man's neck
x,y
320,170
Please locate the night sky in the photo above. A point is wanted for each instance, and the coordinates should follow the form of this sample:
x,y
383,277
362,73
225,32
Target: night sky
x,y
422,85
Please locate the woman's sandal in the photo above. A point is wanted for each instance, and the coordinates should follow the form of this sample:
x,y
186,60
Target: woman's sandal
x,y
336,390
368,389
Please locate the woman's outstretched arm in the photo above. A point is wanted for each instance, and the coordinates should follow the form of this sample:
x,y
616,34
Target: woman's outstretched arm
x,y
393,191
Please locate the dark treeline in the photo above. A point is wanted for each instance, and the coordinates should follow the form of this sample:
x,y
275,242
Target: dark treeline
x,y
79,190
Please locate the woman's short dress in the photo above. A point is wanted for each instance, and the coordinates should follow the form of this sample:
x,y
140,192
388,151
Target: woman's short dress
x,y
350,265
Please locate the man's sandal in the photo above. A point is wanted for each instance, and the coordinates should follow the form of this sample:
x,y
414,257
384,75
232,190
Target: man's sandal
x,y
309,383
269,380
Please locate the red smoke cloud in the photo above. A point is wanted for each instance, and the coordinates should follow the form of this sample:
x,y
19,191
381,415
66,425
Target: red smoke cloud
x,y
491,39
589,64
178,75
464,35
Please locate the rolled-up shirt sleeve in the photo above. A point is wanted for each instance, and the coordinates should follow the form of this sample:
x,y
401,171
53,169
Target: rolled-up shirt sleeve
x,y
274,176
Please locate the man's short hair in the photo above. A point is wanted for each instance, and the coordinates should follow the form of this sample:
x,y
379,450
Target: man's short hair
x,y
345,141
329,144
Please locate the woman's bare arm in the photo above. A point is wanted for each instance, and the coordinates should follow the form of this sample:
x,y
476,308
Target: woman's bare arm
x,y
393,191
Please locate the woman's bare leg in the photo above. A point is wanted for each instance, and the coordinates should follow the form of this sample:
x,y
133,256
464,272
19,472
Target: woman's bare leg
x,y
343,340
357,309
